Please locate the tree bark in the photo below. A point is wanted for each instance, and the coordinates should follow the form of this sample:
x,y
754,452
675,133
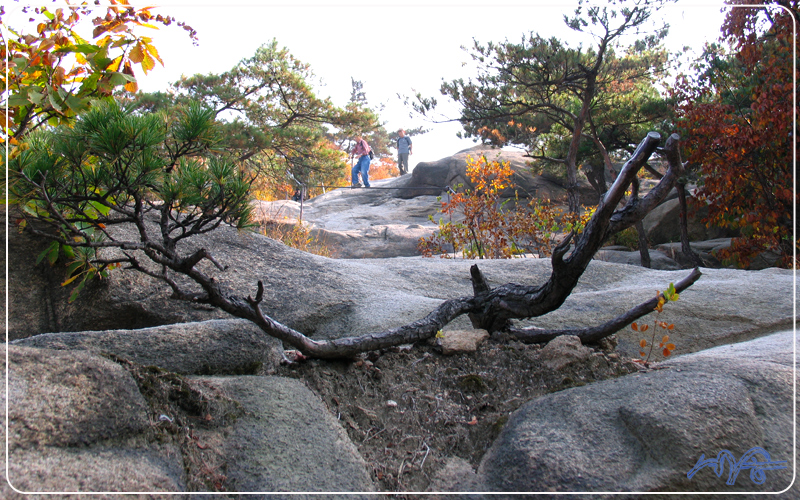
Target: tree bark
x,y
644,251
684,223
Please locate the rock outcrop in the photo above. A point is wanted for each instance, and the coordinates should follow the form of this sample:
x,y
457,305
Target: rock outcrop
x,y
451,171
330,298
646,431
78,422
214,347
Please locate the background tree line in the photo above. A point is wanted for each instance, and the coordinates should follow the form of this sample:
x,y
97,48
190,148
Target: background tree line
x,y
581,109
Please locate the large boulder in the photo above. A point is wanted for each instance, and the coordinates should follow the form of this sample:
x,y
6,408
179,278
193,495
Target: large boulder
x,y
286,440
218,347
662,225
79,423
331,298
451,172
646,431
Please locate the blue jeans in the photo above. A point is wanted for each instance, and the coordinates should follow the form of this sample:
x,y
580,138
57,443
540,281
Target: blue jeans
x,y
361,166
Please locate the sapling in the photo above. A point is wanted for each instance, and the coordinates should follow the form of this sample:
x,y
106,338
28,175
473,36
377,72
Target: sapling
x,y
669,295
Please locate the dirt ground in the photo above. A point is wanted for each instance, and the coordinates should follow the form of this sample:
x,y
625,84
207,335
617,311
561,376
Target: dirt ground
x,y
410,410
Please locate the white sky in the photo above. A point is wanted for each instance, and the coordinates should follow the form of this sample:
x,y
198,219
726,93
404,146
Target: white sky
x,y
394,47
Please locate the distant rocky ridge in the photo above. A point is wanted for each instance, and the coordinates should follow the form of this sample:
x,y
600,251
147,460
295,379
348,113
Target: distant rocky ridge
x,y
389,219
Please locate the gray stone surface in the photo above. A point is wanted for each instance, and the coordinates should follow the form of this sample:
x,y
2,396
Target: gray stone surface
x,y
662,225
645,432
77,423
219,347
331,298
287,440
59,398
564,351
658,260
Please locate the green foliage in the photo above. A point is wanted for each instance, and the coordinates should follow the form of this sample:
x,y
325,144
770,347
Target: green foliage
x,y
567,105
273,121
627,238
115,167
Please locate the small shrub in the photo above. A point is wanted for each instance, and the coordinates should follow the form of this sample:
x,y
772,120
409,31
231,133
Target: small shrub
x,y
627,238
669,295
485,229
296,236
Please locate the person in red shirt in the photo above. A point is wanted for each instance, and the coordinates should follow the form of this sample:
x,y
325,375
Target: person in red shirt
x,y
361,151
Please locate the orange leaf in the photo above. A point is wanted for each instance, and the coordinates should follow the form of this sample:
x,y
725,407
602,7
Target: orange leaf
x,y
645,328
635,327
666,352
665,339
671,347
643,343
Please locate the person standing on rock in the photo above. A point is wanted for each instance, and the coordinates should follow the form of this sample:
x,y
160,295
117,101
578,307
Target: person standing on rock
x,y
404,148
362,151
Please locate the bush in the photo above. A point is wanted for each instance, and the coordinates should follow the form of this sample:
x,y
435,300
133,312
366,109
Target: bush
x,y
485,229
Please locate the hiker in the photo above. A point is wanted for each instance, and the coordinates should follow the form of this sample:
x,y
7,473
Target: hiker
x,y
297,196
362,151
403,150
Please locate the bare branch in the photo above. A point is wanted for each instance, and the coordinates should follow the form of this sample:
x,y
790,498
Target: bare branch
x,y
533,335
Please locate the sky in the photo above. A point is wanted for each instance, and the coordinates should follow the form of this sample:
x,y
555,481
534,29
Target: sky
x,y
393,47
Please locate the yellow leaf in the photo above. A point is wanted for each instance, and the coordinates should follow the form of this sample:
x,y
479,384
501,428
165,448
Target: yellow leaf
x,y
114,66
153,52
137,54
148,63
665,339
671,347
70,280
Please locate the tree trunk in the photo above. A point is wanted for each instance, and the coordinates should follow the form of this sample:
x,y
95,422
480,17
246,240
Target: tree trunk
x,y
684,223
644,250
